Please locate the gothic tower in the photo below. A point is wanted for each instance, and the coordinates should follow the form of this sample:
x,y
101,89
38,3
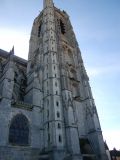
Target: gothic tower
x,y
69,118
46,105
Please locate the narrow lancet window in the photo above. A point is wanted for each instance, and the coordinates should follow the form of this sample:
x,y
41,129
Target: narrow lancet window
x,y
39,30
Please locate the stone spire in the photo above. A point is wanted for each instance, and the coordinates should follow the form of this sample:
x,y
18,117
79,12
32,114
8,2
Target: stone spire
x,y
47,3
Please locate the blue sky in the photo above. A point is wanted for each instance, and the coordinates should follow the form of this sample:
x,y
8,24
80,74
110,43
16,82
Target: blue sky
x,y
97,27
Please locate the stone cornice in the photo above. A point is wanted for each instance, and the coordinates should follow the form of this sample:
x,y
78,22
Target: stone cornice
x,y
22,105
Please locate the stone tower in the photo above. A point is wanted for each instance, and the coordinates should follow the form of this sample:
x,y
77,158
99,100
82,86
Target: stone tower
x,y
70,119
49,97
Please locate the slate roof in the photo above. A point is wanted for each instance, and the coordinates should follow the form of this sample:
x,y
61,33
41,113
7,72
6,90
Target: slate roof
x,y
115,153
17,59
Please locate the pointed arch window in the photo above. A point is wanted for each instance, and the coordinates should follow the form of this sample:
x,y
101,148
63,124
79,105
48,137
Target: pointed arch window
x,y
19,131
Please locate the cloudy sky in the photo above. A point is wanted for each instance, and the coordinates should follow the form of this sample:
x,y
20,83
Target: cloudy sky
x,y
97,27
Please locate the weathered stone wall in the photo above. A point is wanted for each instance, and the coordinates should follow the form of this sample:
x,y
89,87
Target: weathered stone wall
x,y
19,153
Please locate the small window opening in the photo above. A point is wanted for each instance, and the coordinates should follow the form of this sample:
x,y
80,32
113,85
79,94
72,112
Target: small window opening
x,y
58,114
57,103
48,137
62,27
56,84
60,138
59,126
15,77
39,30
48,126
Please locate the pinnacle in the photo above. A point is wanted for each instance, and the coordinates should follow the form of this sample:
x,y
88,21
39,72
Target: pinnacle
x,y
47,3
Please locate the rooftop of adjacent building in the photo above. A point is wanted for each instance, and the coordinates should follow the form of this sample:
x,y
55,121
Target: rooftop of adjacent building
x,y
4,54
115,152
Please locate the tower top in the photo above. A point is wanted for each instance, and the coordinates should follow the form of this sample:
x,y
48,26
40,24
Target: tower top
x,y
47,3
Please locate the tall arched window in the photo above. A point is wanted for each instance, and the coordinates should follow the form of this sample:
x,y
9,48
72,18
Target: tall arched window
x,y
19,130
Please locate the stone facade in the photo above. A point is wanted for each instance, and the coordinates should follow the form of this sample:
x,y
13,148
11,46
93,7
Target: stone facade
x,y
47,111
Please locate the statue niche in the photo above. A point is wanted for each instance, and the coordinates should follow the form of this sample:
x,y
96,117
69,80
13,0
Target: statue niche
x,y
69,56
75,90
74,82
72,74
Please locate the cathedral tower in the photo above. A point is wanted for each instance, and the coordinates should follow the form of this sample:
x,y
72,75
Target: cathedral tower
x,y
51,114
70,120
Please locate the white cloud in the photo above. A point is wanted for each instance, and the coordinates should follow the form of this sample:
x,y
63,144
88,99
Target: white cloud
x,y
112,138
19,39
95,71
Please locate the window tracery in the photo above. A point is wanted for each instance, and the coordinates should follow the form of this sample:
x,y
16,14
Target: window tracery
x,y
19,130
